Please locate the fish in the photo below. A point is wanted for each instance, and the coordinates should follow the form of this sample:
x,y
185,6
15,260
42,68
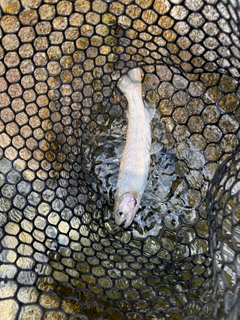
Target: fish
x,y
135,160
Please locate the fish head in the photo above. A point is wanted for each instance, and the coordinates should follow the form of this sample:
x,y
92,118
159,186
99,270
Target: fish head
x,y
125,209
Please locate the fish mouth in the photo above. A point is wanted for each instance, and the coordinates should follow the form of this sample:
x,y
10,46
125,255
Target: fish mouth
x,y
120,220
123,222
127,224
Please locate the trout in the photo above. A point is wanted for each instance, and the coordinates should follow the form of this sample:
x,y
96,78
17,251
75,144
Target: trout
x,y
135,161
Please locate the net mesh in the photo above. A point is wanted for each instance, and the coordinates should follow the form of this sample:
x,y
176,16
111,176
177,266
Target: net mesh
x,y
62,126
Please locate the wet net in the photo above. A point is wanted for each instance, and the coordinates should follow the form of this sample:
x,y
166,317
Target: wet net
x,y
62,127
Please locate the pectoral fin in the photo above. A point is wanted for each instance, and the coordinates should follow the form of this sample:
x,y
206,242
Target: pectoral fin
x,y
156,146
150,110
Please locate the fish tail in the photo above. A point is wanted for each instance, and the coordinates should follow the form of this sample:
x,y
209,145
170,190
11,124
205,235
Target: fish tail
x,y
133,77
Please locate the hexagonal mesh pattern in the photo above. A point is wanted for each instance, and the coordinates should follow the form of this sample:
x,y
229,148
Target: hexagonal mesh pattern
x,y
223,206
62,127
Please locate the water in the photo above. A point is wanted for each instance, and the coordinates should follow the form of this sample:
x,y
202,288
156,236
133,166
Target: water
x,y
170,195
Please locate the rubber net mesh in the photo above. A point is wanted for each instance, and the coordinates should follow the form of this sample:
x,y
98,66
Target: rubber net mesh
x,y
62,127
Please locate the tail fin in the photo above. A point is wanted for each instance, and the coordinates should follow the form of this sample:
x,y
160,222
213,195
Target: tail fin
x,y
132,77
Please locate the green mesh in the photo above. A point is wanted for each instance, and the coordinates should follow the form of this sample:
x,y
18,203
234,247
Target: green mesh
x,y
62,128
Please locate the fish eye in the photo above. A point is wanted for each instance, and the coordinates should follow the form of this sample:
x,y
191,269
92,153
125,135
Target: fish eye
x,y
120,213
